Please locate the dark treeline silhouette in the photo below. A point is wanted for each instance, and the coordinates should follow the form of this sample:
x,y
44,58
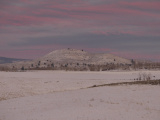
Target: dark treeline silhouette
x,y
86,67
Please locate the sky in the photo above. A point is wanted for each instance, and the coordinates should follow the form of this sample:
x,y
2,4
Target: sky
x,y
32,28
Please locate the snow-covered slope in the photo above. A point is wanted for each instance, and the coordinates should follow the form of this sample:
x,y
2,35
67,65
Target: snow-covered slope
x,y
73,55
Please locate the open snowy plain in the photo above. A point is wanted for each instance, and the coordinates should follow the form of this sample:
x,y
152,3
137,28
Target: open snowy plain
x,y
63,95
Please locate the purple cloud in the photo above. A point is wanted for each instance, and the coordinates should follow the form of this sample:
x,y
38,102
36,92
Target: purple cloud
x,y
37,24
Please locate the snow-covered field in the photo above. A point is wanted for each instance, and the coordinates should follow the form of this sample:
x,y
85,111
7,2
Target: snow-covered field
x,y
61,95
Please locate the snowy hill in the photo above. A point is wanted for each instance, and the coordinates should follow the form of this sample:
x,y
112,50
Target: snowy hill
x,y
70,58
73,55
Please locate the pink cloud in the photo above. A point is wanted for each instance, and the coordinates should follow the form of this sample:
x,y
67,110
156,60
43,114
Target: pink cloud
x,y
85,12
119,31
145,5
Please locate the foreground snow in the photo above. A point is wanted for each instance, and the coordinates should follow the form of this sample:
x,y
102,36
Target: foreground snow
x,y
20,84
48,95
105,103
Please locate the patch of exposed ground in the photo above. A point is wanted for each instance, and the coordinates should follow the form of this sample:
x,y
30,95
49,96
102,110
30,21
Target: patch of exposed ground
x,y
150,82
